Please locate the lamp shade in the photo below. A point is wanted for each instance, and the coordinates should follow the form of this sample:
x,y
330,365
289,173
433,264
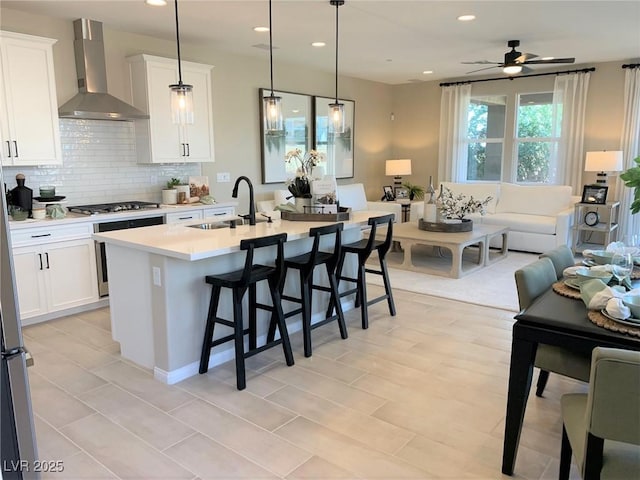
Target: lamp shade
x,y
603,161
398,167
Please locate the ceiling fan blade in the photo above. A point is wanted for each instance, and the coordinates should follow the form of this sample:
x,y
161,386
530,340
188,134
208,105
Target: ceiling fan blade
x,y
525,56
486,68
481,62
553,60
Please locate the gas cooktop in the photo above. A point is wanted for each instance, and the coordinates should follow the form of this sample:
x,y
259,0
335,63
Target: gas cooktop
x,y
112,207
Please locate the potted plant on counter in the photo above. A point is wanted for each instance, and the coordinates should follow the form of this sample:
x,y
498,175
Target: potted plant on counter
x,y
170,194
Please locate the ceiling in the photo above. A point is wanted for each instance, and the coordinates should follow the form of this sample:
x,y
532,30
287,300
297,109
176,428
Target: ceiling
x,y
391,41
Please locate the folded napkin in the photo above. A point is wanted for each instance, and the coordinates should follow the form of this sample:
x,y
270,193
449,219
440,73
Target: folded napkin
x,y
609,268
597,296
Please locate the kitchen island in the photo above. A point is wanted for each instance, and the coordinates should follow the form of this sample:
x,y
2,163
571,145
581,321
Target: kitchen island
x,y
159,299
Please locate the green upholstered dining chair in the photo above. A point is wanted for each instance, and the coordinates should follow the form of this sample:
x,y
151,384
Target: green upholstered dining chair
x,y
602,427
561,257
531,281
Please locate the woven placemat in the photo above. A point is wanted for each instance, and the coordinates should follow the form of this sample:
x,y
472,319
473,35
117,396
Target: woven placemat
x,y
561,289
602,321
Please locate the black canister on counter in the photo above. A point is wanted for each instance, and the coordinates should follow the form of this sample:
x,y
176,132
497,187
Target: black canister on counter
x,y
22,196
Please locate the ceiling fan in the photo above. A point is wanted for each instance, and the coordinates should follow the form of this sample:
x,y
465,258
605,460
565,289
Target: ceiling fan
x,y
514,61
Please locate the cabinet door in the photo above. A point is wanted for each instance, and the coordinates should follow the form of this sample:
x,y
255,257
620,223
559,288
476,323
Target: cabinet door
x,y
30,102
165,135
29,265
71,273
199,136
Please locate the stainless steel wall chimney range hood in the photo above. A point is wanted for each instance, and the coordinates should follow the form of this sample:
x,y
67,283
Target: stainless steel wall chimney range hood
x,y
92,101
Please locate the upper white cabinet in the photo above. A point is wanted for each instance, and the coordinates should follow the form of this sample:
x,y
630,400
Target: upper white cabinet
x,y
159,140
29,127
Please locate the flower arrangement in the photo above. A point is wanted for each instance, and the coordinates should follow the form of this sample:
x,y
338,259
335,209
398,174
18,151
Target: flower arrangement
x,y
458,206
300,186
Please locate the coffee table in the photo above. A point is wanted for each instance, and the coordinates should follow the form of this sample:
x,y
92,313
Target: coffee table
x,y
408,234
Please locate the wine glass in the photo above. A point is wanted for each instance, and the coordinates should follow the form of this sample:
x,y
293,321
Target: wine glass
x,y
622,264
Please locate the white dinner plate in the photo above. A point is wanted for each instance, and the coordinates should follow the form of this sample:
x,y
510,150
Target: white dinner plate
x,y
589,263
631,321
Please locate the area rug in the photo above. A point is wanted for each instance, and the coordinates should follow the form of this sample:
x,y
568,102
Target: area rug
x,y
492,286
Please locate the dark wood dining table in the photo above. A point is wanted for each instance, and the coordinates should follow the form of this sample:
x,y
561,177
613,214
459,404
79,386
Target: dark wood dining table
x,y
554,320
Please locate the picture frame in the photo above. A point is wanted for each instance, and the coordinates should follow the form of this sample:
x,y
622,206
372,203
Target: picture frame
x,y
388,193
595,194
338,148
401,193
297,111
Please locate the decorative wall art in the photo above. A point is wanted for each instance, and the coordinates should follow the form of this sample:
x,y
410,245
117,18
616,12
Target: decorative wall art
x,y
306,127
338,148
298,123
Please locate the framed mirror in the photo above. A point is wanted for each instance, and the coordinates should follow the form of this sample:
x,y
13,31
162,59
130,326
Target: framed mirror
x,y
337,148
297,120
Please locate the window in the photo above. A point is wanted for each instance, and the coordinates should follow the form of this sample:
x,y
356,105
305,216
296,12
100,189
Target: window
x,y
485,137
535,145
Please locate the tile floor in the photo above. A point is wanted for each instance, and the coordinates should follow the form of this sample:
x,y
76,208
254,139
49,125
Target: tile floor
x,y
419,395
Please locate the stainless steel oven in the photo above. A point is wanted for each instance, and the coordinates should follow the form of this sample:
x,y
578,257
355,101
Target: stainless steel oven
x,y
101,255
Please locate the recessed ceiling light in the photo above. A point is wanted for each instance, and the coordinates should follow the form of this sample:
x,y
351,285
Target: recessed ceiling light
x,y
318,44
547,58
156,3
260,29
427,72
466,18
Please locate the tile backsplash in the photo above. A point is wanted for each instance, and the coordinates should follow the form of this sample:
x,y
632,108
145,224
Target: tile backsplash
x,y
99,165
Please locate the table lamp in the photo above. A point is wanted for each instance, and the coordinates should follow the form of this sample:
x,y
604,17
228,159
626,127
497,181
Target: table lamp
x,y
602,162
397,168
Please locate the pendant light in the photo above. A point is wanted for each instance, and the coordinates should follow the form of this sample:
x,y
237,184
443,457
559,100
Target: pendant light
x,y
181,93
272,104
336,110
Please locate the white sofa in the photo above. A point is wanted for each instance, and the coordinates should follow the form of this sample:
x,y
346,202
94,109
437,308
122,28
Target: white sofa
x,y
539,217
351,195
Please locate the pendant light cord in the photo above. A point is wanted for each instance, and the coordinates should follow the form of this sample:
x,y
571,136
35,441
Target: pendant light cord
x,y
337,6
270,48
178,44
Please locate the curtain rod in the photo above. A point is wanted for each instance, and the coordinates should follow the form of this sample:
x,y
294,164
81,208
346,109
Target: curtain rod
x,y
631,65
583,70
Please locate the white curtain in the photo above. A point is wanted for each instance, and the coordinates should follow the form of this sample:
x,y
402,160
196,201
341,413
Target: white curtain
x,y
569,104
630,146
452,158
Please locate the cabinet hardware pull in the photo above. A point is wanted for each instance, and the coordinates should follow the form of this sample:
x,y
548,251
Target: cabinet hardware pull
x,y
188,150
15,146
47,255
184,150
40,257
218,214
9,149
185,218
41,235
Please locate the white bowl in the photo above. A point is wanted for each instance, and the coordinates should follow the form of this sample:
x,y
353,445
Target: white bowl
x,y
633,302
583,274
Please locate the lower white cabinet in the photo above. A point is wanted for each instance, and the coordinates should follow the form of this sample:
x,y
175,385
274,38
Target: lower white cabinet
x,y
55,276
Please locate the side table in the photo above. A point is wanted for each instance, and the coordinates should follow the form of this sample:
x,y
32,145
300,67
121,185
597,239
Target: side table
x,y
606,228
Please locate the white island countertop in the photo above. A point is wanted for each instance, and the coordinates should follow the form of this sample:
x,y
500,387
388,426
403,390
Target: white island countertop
x,y
186,243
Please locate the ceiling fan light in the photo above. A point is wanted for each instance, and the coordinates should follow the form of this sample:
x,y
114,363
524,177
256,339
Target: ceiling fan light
x,y
512,69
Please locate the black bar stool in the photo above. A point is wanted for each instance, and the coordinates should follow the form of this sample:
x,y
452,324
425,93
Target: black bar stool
x,y
239,282
363,250
306,264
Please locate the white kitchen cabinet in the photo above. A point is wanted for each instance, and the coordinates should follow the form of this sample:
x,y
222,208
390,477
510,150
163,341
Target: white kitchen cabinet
x,y
159,140
54,275
183,216
29,126
216,212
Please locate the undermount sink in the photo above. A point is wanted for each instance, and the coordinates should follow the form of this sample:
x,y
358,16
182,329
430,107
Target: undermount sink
x,y
211,226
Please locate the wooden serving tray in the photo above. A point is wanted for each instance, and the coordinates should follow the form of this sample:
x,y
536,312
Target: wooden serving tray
x,y
343,214
465,226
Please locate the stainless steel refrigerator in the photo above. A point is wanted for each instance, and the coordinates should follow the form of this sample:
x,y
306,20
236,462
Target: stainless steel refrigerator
x,y
17,441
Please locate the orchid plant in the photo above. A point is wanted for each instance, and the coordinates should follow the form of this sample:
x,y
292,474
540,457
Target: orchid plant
x,y
300,185
458,206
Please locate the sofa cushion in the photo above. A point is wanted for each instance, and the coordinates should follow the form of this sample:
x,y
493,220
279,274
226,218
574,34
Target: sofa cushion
x,y
352,196
520,222
478,191
533,200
